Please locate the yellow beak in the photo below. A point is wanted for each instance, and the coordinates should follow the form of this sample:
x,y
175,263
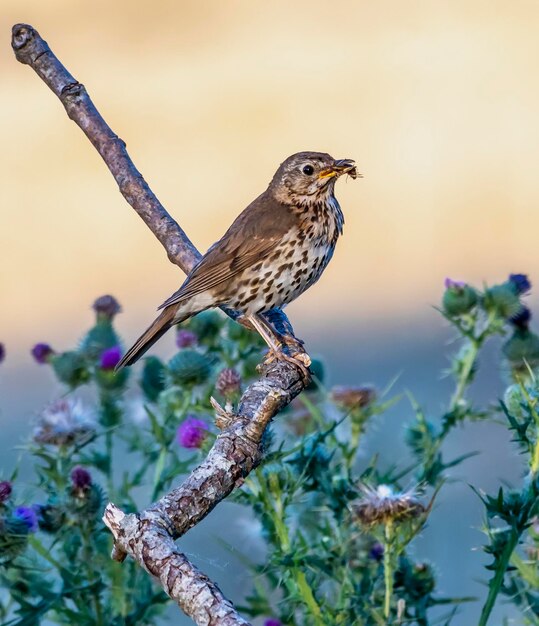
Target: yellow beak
x,y
341,166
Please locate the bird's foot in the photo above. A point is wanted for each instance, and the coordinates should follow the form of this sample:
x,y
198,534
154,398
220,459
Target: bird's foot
x,y
296,345
299,359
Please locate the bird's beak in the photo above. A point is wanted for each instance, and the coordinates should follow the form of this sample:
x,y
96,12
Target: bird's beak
x,y
340,167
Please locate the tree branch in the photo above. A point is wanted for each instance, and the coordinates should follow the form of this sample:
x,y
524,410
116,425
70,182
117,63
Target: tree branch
x,y
149,535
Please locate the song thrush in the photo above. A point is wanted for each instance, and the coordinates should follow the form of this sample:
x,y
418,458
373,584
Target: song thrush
x,y
275,250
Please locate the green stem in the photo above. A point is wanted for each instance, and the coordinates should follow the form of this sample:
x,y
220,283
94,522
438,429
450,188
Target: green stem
x,y
108,452
307,595
88,559
476,343
464,377
159,468
534,463
534,449
388,568
275,504
496,583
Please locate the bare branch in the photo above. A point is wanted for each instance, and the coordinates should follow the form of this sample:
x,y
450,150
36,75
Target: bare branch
x,y
149,535
34,51
195,593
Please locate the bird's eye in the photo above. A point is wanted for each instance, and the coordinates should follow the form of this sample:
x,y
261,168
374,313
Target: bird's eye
x,y
308,170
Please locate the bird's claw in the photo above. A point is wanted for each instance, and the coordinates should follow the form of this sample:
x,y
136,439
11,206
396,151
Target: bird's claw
x,y
300,360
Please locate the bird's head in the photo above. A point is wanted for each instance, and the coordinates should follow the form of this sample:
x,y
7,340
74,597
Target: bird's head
x,y
307,177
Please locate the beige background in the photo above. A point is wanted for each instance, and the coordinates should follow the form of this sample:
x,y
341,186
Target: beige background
x,y
437,101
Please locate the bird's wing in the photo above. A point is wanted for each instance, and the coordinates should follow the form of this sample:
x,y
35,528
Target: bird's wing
x,y
250,239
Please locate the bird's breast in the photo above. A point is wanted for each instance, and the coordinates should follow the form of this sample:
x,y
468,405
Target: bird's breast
x,y
295,264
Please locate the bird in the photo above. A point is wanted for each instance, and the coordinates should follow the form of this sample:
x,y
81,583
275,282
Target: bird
x,y
275,250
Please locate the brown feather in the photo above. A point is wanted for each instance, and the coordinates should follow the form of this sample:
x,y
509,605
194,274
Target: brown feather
x,y
251,238
159,327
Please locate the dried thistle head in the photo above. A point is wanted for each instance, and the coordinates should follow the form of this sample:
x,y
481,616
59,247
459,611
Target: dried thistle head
x,y
228,382
351,397
383,504
63,422
300,421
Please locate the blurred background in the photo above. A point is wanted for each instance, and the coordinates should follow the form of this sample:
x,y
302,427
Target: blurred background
x,y
436,101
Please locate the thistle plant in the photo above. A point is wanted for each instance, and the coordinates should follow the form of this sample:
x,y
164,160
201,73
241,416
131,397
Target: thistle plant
x,y
339,526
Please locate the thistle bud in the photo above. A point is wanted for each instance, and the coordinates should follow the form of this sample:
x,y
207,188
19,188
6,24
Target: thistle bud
x,y
459,298
522,347
514,401
153,378
520,283
101,336
273,622
189,367
503,300
416,578
42,353
13,538
376,552
50,517
87,502
420,436
206,326
185,338
522,318
81,478
70,368
228,383
106,307
5,491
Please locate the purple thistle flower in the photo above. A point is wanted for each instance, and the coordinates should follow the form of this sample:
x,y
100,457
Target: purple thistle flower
x,y
273,622
449,283
107,306
376,553
191,433
41,352
5,490
81,478
185,338
110,358
2,352
520,282
27,515
522,318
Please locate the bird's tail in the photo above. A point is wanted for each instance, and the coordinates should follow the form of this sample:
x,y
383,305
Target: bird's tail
x,y
162,323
